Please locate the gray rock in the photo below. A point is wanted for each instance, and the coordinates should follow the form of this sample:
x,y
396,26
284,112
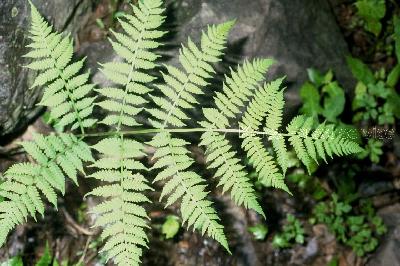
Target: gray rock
x,y
17,103
388,252
298,34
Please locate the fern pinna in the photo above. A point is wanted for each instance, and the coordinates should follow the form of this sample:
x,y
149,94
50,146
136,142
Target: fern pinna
x,y
66,93
247,106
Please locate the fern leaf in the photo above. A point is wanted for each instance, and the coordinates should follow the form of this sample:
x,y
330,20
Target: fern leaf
x,y
267,104
124,219
310,143
237,91
26,181
61,79
186,185
229,170
136,48
183,85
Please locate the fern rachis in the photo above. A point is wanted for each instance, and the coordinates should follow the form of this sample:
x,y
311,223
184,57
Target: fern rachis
x,y
124,182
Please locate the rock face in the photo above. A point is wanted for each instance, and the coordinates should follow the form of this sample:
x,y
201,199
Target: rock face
x,y
298,34
16,101
388,252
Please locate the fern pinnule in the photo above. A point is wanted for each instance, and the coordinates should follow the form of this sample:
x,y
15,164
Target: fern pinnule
x,y
55,156
136,48
66,91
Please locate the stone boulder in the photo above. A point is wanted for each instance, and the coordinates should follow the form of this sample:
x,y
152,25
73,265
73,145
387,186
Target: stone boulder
x,y
17,103
387,253
298,34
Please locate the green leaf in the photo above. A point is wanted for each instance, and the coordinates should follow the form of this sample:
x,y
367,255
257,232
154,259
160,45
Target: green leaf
x,y
373,26
360,71
259,231
171,226
279,242
393,77
368,9
45,260
396,23
310,97
14,261
333,102
394,101
371,11
315,77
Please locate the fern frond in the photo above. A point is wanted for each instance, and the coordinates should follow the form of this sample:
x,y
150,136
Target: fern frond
x,y
182,86
197,211
55,156
310,144
121,215
237,91
66,91
136,48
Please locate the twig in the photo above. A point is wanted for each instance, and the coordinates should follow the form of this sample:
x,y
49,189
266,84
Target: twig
x,y
82,259
74,224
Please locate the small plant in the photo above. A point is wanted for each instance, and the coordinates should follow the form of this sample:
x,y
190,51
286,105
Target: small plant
x,y
46,258
14,261
371,12
322,97
171,226
373,150
375,93
308,184
375,99
293,232
259,231
359,231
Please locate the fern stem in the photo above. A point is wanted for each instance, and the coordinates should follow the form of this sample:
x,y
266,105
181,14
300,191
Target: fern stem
x,y
177,130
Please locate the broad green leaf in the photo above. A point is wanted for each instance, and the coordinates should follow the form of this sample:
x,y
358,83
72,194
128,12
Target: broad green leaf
x,y
170,227
315,77
360,71
373,26
372,11
45,260
396,23
393,77
394,100
14,261
310,97
334,101
259,231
